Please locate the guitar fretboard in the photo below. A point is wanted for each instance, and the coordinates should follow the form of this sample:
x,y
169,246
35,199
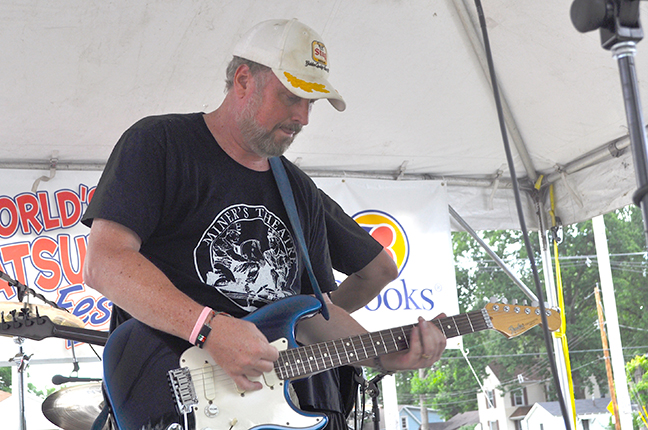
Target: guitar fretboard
x,y
309,359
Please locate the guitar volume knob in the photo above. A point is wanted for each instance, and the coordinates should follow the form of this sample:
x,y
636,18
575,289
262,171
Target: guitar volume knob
x,y
211,410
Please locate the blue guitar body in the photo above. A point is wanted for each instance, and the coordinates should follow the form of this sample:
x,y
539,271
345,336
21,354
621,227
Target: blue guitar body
x,y
137,359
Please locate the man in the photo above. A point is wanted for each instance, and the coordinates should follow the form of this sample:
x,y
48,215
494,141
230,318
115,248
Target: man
x,y
188,228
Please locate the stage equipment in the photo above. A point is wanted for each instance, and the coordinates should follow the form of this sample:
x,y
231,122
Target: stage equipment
x,y
620,30
24,320
21,360
16,310
74,408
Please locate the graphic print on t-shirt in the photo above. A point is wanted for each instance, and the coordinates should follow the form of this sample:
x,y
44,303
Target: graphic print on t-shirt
x,y
249,256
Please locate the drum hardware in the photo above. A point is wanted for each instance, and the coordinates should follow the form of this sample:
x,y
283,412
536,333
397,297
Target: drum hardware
x,y
74,408
21,360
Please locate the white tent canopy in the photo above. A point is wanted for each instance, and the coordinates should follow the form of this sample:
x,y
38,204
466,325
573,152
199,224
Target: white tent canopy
x,y
76,74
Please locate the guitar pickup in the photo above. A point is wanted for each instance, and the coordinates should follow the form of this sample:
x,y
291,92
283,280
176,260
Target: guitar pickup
x,y
184,393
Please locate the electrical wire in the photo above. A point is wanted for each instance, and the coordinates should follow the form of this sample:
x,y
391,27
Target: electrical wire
x,y
518,203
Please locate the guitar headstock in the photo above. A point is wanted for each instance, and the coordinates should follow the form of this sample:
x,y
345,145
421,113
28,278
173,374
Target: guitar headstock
x,y
513,319
35,328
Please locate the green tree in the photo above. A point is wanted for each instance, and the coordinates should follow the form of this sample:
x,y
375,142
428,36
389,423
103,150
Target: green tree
x,y
450,381
5,379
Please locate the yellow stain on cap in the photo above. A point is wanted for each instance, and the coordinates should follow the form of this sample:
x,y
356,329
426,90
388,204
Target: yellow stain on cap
x,y
309,87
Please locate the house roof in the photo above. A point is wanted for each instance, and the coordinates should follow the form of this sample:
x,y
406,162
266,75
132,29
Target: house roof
x,y
459,420
583,406
520,412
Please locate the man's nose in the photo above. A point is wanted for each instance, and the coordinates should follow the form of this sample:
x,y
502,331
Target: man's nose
x,y
302,111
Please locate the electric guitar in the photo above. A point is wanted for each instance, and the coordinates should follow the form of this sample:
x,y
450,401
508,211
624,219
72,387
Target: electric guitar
x,y
139,361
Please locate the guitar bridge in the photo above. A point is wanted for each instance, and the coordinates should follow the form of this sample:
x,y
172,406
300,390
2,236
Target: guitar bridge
x,y
184,393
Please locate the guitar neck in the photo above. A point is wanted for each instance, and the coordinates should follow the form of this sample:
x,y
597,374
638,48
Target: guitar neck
x,y
309,359
78,334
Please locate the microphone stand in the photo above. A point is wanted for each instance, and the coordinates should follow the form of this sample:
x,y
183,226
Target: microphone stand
x,y
373,391
21,360
620,30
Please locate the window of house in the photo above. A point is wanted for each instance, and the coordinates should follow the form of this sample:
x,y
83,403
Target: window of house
x,y
585,424
518,398
404,425
518,424
493,425
490,399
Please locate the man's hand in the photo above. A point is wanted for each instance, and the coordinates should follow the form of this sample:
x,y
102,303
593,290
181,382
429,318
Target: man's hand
x,y
427,343
241,350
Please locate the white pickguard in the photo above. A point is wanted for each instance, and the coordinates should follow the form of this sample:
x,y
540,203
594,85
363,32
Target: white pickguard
x,y
221,406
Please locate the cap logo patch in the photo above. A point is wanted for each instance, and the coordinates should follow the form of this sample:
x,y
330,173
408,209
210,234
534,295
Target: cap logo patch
x,y
309,87
319,52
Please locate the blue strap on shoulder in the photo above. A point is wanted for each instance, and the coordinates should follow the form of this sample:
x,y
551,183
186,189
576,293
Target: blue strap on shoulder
x,y
279,172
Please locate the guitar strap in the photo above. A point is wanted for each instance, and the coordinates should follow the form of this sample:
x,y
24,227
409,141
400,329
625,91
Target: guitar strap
x,y
279,173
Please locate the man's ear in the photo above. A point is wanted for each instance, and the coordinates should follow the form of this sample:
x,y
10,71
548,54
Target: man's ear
x,y
242,80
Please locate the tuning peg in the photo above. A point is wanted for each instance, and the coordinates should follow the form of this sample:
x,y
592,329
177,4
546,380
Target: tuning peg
x,y
493,299
535,303
505,300
525,303
514,302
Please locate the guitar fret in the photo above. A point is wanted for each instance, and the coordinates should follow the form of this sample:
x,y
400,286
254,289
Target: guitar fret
x,y
456,327
330,356
354,354
472,329
337,352
362,339
310,357
440,325
323,355
373,344
382,341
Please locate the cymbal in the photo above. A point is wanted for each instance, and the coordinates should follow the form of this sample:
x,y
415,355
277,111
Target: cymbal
x,y
57,316
74,408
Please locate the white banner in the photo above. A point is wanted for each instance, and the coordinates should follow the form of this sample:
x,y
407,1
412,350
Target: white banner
x,y
410,219
42,246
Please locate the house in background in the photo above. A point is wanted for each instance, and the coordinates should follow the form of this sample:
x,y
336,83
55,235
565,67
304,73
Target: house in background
x,y
526,408
591,414
459,420
409,417
499,410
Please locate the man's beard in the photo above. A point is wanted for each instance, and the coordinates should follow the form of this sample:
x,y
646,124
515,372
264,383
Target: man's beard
x,y
262,141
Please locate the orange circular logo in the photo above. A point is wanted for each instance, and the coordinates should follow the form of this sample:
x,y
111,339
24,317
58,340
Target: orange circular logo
x,y
388,232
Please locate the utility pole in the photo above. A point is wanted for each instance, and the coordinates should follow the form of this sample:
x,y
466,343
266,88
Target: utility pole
x,y
608,365
424,411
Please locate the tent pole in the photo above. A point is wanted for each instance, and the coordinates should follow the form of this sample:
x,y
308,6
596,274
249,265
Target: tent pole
x,y
559,351
493,255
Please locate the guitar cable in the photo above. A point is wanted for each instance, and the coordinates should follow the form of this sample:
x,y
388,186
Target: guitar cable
x,y
518,204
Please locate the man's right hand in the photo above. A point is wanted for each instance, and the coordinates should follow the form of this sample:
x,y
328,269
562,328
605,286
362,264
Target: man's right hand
x,y
241,350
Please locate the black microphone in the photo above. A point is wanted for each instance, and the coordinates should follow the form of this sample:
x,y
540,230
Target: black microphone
x,y
588,15
60,379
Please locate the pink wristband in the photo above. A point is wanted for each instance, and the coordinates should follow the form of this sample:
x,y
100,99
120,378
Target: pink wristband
x,y
199,323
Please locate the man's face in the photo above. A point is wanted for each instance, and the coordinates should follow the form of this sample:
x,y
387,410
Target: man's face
x,y
272,117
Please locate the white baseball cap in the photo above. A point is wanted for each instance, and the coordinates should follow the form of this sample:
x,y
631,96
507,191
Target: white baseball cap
x,y
297,56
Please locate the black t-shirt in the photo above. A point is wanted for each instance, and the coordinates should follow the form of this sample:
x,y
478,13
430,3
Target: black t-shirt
x,y
218,230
